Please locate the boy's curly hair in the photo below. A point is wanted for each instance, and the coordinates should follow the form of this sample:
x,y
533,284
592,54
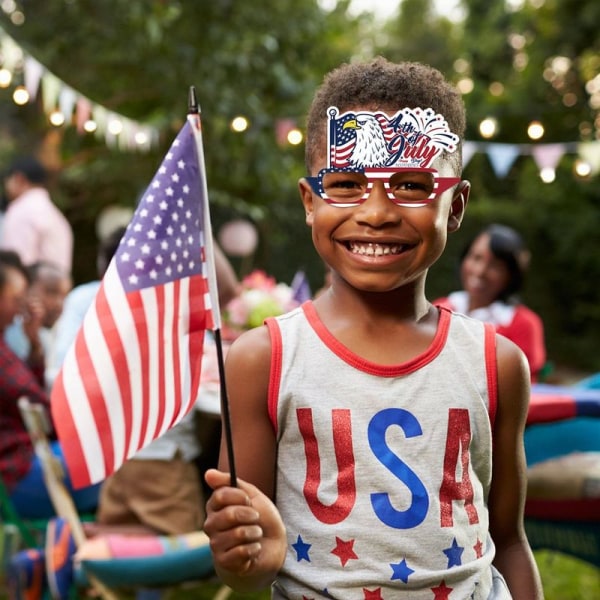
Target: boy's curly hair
x,y
383,85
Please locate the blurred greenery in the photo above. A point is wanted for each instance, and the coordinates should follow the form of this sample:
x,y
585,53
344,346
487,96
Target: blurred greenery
x,y
263,60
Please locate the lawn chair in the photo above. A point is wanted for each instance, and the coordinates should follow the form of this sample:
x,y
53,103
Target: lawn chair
x,y
563,429
37,424
175,567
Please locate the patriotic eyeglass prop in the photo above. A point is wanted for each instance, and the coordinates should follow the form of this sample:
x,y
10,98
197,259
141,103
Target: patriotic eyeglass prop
x,y
365,147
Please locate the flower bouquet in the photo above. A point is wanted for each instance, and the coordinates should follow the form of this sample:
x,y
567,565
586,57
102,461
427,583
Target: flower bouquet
x,y
260,297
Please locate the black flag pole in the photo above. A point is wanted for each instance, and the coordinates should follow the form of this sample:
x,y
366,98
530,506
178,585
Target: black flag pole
x,y
194,112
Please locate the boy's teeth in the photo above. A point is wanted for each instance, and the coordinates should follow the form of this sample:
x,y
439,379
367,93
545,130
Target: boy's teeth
x,y
375,249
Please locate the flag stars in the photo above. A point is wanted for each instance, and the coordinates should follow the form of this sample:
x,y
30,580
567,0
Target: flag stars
x,y
157,247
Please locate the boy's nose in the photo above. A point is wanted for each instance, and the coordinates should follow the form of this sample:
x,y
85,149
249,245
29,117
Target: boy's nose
x,y
377,207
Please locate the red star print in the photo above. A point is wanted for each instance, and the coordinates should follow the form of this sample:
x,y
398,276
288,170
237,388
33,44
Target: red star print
x,y
478,547
372,595
442,591
344,550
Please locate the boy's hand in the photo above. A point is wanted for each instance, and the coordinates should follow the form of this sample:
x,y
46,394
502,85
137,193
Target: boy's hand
x,y
247,535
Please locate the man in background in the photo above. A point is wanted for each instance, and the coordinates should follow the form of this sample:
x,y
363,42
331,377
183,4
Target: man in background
x,y
33,226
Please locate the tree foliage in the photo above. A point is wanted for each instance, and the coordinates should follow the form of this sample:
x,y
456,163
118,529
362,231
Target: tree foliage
x,y
264,60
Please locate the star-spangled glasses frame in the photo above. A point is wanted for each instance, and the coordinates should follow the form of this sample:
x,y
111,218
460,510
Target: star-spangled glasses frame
x,y
410,187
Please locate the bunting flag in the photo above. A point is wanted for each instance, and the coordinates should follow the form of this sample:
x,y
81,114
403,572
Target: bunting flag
x,y
132,135
134,368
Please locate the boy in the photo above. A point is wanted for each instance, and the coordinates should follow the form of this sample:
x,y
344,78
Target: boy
x,y
363,422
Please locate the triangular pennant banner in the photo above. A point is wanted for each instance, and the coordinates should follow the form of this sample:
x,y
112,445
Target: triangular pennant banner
x,y
590,152
547,156
32,74
502,157
468,149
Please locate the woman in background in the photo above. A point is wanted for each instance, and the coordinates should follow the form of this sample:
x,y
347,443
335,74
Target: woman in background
x,y
492,270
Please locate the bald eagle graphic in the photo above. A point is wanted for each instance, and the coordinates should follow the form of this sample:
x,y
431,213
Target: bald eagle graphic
x,y
371,148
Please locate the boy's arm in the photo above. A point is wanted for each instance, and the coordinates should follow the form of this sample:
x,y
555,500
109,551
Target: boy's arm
x,y
514,558
247,536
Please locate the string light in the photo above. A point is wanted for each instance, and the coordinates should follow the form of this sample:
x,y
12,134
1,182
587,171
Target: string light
x,y
535,130
90,126
295,137
488,127
5,78
20,95
239,124
56,118
547,174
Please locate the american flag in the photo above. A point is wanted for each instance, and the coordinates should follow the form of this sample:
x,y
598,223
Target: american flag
x,y
341,141
134,369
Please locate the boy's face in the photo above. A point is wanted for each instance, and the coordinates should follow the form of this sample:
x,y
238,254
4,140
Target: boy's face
x,y
380,227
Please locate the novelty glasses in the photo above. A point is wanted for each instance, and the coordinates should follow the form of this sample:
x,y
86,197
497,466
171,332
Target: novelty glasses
x,y
403,186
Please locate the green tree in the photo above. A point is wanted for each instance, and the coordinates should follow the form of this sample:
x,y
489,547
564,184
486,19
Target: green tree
x,y
138,58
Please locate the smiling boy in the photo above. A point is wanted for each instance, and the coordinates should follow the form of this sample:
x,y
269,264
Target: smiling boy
x,y
364,422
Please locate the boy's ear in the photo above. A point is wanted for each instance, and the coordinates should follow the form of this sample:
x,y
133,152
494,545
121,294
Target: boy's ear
x,y
306,195
458,206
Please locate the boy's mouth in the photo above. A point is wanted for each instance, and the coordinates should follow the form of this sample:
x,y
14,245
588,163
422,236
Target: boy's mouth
x,y
371,249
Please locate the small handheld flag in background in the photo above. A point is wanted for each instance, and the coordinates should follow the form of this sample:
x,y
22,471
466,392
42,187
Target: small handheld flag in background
x,y
134,369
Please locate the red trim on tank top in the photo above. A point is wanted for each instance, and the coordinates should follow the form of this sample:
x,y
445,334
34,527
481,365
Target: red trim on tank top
x,y
276,366
372,368
491,369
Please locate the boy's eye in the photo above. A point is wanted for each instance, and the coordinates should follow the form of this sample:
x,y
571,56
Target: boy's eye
x,y
336,183
412,183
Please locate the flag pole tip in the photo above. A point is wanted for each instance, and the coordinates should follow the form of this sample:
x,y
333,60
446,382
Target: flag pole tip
x,y
192,101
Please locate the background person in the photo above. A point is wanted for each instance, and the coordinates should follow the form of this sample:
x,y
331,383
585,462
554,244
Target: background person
x,y
21,470
33,226
47,290
492,272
